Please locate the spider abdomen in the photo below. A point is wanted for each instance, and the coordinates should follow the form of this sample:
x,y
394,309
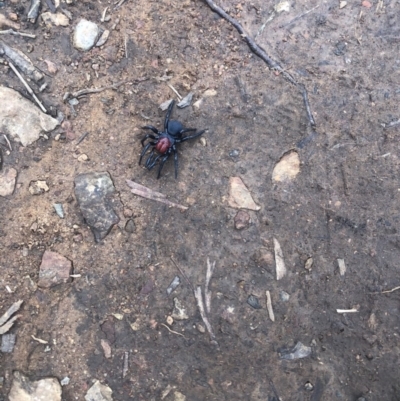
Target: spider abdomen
x,y
163,145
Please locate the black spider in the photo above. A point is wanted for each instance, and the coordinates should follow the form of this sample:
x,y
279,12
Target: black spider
x,y
164,143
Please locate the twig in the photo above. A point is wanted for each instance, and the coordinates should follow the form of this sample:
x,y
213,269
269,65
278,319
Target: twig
x,y
39,340
103,16
260,52
27,86
269,306
183,274
176,92
12,32
82,138
207,292
119,4
148,193
1,159
353,310
392,124
8,142
200,304
126,365
387,291
172,331
88,91
126,46
299,16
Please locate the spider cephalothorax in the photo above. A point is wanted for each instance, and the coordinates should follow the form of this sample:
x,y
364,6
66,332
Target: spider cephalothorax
x,y
164,143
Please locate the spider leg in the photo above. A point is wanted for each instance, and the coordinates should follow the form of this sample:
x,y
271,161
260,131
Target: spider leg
x,y
147,137
187,130
151,162
154,129
175,161
168,115
145,149
164,159
192,136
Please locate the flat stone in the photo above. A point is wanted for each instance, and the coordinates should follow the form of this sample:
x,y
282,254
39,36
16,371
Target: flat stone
x,y
38,187
93,192
22,389
179,312
239,195
99,392
242,220
7,181
55,269
85,35
58,19
21,118
287,168
103,38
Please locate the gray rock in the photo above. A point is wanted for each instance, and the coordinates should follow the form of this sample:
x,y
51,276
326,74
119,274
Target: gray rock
x,y
93,191
7,181
99,392
38,187
242,220
21,118
7,343
130,226
55,269
85,35
103,38
22,388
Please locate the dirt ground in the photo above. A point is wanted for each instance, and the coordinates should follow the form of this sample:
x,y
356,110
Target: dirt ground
x,y
344,204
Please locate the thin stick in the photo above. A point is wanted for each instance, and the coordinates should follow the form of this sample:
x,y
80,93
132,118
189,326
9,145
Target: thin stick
x,y
126,364
87,91
392,124
8,142
183,274
176,92
269,306
200,304
103,16
172,331
12,32
207,292
299,16
260,52
393,289
28,88
82,138
354,310
126,46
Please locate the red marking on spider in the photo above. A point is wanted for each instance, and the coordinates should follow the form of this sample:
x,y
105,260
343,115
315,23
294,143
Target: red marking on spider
x,y
163,145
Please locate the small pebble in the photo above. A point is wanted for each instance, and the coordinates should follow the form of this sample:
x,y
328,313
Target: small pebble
x,y
83,158
252,300
284,296
234,153
200,328
242,220
65,381
130,226
308,386
309,263
170,320
203,141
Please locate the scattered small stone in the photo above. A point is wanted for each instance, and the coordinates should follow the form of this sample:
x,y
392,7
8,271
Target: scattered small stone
x,y
58,207
200,328
103,38
342,4
366,4
57,19
108,328
284,296
55,269
106,348
96,66
308,386
203,141
73,102
148,287
309,263
85,35
179,312
170,320
8,179
51,67
242,220
174,284
130,226
185,102
179,396
297,352
99,392
21,118
7,343
210,93
234,153
198,103
92,191
342,267
65,381
24,389
239,195
287,168
253,301
83,158
164,106
38,187
370,339
77,238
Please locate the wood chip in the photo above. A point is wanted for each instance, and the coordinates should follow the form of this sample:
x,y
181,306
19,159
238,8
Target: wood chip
x,y
279,262
148,193
269,306
342,267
